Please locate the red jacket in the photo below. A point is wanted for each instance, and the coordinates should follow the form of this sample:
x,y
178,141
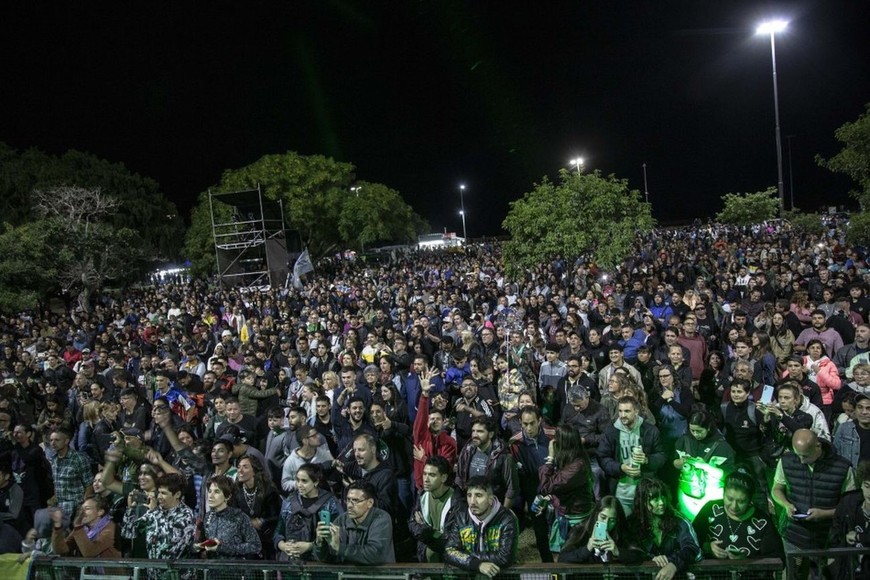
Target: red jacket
x,y
443,445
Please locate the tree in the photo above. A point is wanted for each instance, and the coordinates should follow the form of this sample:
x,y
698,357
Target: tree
x,y
858,232
805,223
583,215
749,208
141,205
27,270
318,204
311,187
73,222
376,213
89,249
854,158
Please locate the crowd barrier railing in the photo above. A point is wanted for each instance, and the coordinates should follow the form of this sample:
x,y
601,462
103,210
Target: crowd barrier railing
x,y
47,568
842,563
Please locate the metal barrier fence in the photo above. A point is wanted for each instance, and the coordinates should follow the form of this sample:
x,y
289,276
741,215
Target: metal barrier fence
x,y
79,569
841,563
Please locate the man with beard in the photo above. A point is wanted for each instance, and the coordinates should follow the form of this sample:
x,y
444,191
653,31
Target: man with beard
x,y
852,354
629,449
246,423
468,408
308,450
485,516
349,428
830,338
485,455
436,510
322,421
574,377
367,467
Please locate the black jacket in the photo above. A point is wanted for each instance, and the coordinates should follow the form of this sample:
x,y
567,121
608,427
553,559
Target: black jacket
x,y
494,540
819,488
425,534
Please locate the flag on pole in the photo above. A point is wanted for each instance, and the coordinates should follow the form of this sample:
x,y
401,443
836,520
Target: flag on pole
x,y
302,266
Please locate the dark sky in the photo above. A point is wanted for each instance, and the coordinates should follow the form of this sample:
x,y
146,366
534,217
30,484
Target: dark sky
x,y
423,95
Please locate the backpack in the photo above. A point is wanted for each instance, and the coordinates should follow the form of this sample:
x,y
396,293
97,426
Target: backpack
x,y
301,524
750,409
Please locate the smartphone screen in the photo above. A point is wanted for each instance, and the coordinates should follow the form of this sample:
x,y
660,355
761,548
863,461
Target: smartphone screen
x,y
599,532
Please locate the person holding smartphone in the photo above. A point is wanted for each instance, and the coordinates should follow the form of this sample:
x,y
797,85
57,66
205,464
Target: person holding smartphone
x,y
301,512
601,538
732,528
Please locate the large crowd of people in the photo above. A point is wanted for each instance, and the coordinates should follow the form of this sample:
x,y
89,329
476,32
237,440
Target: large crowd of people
x,y
710,398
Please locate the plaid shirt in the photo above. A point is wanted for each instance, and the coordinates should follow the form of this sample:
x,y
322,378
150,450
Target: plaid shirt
x,y
72,475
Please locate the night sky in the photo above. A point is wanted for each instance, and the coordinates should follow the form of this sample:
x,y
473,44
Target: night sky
x,y
424,95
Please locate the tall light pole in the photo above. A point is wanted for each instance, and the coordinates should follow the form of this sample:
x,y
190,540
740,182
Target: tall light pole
x,y
578,163
645,188
462,209
771,27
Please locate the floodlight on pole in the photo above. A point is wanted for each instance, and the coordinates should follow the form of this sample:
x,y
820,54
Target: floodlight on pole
x,y
462,209
578,163
772,27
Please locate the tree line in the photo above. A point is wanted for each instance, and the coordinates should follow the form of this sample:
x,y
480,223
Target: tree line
x,y
73,224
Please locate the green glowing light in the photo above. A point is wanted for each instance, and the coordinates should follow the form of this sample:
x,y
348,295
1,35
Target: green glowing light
x,y
700,482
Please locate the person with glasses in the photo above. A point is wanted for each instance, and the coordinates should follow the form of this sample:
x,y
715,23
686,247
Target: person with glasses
x,y
363,535
309,451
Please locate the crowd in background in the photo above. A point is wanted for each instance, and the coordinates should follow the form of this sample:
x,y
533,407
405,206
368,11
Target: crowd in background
x,y
431,408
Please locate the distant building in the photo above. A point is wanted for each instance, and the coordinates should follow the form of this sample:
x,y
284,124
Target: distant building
x,y
441,240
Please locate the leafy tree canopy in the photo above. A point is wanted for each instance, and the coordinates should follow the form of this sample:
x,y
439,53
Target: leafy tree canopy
x,y
854,158
858,232
318,204
583,215
74,222
142,207
749,208
377,213
805,223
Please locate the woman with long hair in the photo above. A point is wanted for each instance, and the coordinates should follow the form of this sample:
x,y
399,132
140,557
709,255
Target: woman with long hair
x,y
85,441
585,546
714,377
510,418
387,395
256,497
663,536
781,338
295,533
821,370
763,355
566,479
801,307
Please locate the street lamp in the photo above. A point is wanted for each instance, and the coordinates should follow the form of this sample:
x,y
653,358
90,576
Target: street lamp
x,y
645,188
462,210
578,163
771,27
